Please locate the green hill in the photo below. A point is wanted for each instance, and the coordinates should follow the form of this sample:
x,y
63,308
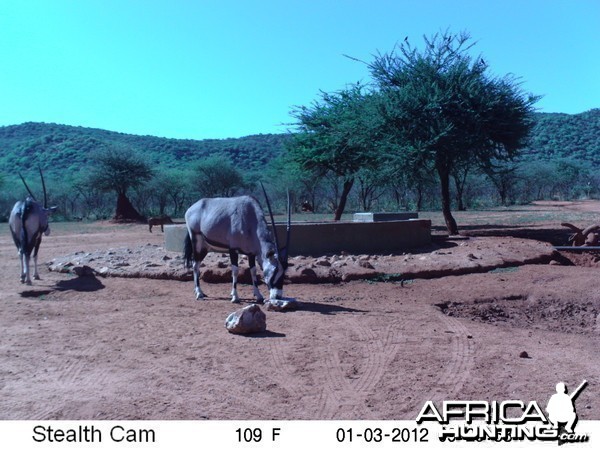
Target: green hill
x,y
560,162
570,136
63,148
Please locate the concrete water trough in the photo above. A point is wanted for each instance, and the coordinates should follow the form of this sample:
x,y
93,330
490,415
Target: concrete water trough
x,y
319,238
383,217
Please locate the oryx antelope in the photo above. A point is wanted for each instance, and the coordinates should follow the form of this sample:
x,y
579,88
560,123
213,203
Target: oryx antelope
x,y
28,221
236,225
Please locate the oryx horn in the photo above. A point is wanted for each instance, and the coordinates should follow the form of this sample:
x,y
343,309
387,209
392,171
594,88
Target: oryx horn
x,y
287,228
271,215
27,187
44,188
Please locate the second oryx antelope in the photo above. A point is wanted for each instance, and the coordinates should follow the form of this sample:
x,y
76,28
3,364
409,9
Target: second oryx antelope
x,y
28,221
236,225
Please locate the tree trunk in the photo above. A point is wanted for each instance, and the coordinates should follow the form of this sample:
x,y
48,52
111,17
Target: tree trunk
x,y
445,183
343,198
125,211
419,205
460,187
503,196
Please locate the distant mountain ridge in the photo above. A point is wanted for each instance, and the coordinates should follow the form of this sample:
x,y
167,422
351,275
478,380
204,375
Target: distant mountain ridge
x,y
60,148
572,136
63,147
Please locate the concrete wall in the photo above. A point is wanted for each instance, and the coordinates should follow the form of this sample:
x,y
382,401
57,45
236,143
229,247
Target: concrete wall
x,y
321,238
383,217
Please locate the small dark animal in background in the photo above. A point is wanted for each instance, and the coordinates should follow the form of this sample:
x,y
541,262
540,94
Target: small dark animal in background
x,y
155,221
306,206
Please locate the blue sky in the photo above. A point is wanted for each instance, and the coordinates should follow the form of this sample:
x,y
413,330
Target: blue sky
x,y
215,69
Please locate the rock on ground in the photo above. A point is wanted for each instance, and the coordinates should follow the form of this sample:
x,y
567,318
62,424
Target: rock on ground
x,y
473,255
250,319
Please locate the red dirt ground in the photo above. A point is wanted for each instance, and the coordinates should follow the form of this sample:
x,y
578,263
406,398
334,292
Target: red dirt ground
x,y
94,347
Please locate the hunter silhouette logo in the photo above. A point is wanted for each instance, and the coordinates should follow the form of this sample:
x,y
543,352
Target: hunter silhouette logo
x,y
561,408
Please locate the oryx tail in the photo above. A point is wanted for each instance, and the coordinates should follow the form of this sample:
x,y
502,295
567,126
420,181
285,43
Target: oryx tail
x,y
188,252
24,244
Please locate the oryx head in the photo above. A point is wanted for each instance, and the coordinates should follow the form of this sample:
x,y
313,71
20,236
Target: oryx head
x,y
276,262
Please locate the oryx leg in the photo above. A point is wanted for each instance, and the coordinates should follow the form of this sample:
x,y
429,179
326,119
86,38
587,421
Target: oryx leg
x,y
25,278
234,257
22,261
36,275
252,263
198,257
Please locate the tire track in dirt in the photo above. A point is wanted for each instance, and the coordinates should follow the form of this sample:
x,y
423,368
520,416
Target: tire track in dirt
x,y
342,394
21,412
314,399
351,376
73,372
58,383
345,391
235,404
282,373
451,381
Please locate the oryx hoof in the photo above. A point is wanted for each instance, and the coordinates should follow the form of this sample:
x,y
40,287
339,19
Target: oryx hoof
x,y
235,300
259,297
200,296
28,283
36,277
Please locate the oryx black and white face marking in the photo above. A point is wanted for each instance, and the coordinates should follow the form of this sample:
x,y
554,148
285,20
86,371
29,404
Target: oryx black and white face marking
x,y
274,273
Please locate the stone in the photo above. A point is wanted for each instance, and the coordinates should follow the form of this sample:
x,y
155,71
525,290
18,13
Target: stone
x,y
322,262
84,271
248,320
365,264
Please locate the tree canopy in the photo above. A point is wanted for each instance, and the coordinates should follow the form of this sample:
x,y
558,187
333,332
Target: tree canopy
x,y
338,135
119,170
216,176
441,108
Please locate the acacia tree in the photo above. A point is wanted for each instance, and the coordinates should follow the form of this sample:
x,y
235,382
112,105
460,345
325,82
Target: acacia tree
x,y
504,176
119,170
283,175
442,108
336,135
217,176
167,188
